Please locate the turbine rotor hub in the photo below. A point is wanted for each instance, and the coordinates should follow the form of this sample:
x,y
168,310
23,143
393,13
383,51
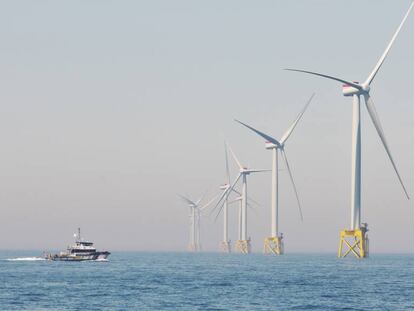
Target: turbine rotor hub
x,y
366,87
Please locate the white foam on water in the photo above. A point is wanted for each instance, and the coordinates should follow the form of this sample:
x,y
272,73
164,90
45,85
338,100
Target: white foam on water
x,y
101,259
26,259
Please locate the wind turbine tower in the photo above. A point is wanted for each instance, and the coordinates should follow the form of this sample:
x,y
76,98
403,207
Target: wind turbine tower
x,y
355,239
274,243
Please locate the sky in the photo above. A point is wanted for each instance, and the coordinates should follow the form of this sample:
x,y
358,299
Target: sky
x,y
109,109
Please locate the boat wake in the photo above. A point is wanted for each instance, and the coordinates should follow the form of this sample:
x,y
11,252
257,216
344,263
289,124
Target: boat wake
x,y
102,260
26,259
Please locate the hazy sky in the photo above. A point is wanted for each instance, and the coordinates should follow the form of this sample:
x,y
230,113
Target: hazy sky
x,y
108,109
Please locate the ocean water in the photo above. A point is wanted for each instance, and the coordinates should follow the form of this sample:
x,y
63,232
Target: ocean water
x,y
207,281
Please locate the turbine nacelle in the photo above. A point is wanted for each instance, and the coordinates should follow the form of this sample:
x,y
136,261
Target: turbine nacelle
x,y
270,145
349,90
245,171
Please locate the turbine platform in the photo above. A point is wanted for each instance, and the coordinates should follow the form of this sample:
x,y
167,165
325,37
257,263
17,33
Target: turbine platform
x,y
243,246
225,247
355,242
274,245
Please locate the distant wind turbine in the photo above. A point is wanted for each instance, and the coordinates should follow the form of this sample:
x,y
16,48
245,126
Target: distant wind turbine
x,y
243,244
225,244
195,209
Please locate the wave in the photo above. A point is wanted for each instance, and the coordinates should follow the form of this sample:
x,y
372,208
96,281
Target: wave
x,y
26,259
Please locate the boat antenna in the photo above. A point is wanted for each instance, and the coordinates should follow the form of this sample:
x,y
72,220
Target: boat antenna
x,y
79,236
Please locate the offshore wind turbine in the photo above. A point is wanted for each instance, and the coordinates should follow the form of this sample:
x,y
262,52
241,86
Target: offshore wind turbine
x,y
195,209
274,243
243,244
225,244
358,232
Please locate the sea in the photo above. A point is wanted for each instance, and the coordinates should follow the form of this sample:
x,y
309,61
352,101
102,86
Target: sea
x,y
207,281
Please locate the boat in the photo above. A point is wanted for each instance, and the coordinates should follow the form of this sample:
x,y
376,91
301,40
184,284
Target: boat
x,y
80,251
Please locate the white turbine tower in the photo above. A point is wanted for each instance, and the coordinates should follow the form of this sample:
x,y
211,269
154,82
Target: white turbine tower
x,y
274,243
243,244
357,233
195,209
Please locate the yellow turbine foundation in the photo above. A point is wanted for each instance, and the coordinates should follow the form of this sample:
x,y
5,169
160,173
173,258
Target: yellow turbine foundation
x,y
225,247
274,245
355,242
192,248
243,246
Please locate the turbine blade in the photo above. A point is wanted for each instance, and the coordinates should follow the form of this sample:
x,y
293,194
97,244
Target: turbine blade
x,y
265,136
254,202
227,163
254,210
248,198
387,49
257,171
292,127
225,194
251,207
228,192
208,203
235,158
293,183
238,199
355,85
375,119
201,198
186,199
237,192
